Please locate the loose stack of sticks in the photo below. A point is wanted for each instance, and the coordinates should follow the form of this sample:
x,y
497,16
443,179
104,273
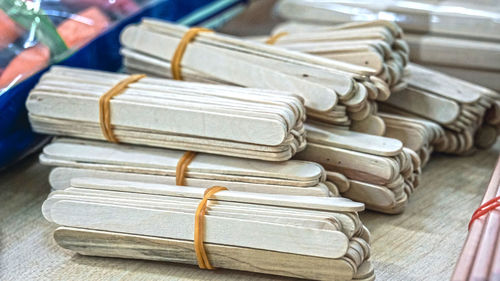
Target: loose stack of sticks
x,y
480,257
298,236
416,133
469,113
335,92
224,120
75,158
459,38
378,171
470,59
376,44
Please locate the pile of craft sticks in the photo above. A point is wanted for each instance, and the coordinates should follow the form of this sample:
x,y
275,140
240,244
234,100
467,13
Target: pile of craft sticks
x,y
381,172
467,112
459,38
279,176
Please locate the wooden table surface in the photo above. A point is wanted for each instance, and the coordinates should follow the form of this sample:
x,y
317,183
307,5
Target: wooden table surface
x,y
421,244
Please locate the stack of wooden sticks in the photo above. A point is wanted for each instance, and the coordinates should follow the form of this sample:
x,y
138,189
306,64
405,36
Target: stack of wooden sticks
x,y
224,120
473,60
458,17
480,257
335,92
469,113
155,222
416,133
458,37
381,173
86,158
377,44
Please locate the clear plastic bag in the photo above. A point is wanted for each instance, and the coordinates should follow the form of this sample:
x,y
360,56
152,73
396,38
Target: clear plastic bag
x,y
36,33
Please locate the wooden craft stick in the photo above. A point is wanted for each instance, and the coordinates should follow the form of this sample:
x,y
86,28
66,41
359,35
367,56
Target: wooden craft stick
x,y
218,230
437,109
128,155
60,178
102,243
321,134
305,202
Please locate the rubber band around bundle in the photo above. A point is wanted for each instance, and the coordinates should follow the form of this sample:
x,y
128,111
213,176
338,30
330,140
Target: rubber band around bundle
x,y
271,40
181,168
175,64
199,228
105,108
484,209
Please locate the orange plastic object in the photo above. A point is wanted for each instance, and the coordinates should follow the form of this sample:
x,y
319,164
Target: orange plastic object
x,y
84,28
9,30
25,64
75,33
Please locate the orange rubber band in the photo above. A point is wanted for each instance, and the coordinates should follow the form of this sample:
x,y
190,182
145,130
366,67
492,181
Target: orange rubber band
x,y
105,108
199,228
271,40
189,36
484,209
182,164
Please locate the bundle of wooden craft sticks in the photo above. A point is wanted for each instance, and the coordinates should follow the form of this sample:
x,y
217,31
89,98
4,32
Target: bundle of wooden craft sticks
x,y
480,257
98,159
297,236
233,121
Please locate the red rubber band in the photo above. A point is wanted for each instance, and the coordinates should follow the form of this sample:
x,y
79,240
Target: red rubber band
x,y
484,209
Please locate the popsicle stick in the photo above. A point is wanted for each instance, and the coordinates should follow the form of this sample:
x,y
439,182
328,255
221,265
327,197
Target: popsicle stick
x,y
382,146
348,223
219,230
354,165
127,155
60,178
102,243
324,223
370,194
305,202
434,108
